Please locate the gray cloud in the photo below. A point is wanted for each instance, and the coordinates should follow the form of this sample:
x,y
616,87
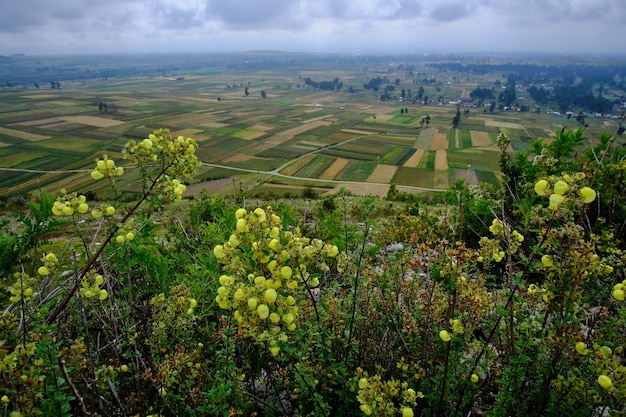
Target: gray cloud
x,y
31,24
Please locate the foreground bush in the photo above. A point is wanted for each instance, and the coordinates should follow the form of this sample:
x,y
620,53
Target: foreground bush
x,y
496,308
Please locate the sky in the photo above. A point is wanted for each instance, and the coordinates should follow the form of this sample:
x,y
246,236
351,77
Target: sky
x,y
37,27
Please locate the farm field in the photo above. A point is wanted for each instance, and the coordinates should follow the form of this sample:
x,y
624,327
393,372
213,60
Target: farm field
x,y
264,121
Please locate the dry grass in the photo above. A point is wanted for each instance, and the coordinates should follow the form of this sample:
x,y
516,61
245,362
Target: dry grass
x,y
297,165
508,125
480,139
383,173
439,141
240,157
440,179
415,159
92,121
334,169
441,160
188,133
359,132
22,135
194,190
285,135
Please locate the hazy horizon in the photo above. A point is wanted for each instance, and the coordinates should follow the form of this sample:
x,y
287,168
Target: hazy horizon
x,y
37,27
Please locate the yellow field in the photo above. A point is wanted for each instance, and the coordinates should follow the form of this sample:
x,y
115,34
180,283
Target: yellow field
x,y
61,103
439,141
383,173
39,122
195,190
316,118
240,157
480,139
508,125
188,133
415,159
441,160
334,169
83,120
261,128
40,96
359,132
195,118
285,135
248,134
440,179
297,165
91,121
22,135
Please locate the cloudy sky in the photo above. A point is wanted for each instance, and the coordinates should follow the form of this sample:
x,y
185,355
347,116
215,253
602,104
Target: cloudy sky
x,y
350,26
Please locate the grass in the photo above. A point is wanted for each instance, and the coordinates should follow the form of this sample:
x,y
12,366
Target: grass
x,y
466,139
427,161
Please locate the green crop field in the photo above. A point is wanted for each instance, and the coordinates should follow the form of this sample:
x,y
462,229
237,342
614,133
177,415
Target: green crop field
x,y
47,129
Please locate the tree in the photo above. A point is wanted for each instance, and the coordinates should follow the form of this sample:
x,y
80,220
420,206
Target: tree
x,y
246,92
457,118
263,94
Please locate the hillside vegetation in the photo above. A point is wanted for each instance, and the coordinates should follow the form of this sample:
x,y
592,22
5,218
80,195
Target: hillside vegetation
x,y
482,300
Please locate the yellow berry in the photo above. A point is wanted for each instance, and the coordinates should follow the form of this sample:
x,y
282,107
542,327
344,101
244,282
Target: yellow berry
x,y
474,378
110,210
561,187
124,368
618,295
241,213
540,187
263,311
42,270
363,383
555,201
605,382
546,260
588,194
407,412
285,272
444,335
366,409
260,213
581,347
218,251
270,295
242,226
83,208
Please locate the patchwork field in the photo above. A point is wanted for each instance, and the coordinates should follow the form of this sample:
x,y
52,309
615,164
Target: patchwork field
x,y
346,139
